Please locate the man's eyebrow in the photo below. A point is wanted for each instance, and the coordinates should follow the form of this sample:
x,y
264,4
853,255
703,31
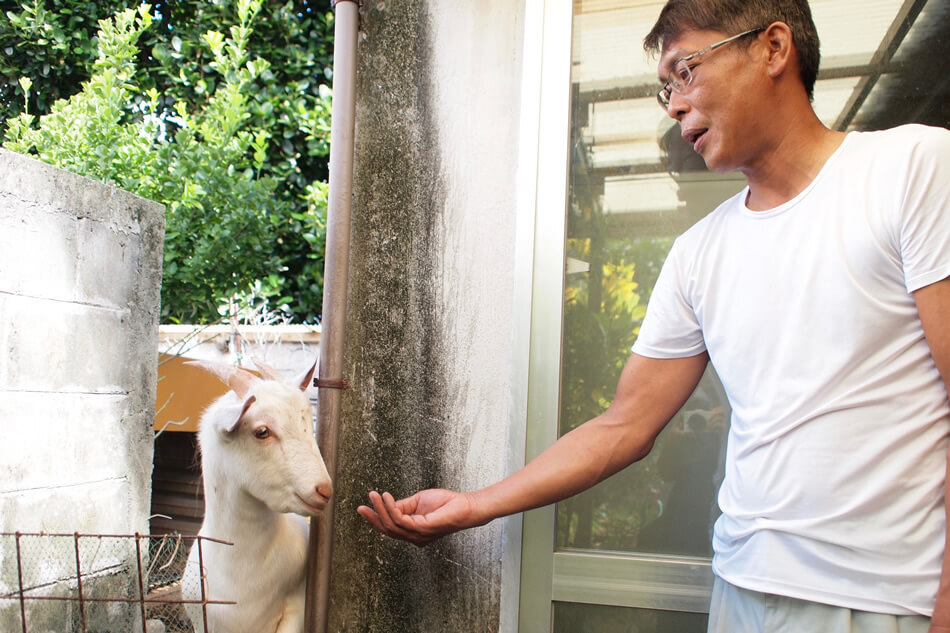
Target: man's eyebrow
x,y
674,54
663,71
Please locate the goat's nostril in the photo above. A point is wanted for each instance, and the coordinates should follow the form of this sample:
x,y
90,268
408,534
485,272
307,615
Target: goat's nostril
x,y
325,489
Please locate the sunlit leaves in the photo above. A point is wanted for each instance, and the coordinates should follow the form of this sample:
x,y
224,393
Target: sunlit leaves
x,y
604,307
230,97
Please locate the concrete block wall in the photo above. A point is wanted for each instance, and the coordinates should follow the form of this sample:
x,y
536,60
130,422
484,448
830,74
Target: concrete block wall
x,y
80,276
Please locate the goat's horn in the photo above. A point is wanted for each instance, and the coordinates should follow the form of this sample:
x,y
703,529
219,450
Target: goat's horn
x,y
304,381
239,380
267,371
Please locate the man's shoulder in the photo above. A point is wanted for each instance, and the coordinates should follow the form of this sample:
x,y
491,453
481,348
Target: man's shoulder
x,y
909,136
889,157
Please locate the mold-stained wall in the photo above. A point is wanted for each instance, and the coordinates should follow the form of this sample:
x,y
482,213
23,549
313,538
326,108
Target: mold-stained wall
x,y
429,334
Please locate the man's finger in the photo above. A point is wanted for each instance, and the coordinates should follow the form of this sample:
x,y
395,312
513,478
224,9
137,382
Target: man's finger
x,y
401,518
382,512
390,520
385,526
374,518
389,502
371,517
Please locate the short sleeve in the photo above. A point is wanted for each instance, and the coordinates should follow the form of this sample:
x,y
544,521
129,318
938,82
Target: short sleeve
x,y
925,213
670,328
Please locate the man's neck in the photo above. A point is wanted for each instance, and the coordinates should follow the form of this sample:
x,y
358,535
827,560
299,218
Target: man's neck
x,y
792,160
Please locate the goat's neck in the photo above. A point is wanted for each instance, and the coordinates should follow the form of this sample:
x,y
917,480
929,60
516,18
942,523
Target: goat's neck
x,y
232,514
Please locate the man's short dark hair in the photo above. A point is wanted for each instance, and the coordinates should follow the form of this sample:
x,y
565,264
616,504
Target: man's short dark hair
x,y
735,16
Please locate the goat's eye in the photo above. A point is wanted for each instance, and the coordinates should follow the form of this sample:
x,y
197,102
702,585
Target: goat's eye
x,y
262,433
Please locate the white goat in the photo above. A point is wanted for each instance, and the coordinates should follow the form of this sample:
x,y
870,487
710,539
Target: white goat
x,y
260,462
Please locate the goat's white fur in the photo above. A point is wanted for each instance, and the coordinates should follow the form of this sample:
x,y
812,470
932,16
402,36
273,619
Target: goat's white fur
x,y
255,488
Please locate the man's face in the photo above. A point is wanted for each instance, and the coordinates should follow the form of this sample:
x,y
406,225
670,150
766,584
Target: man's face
x,y
718,111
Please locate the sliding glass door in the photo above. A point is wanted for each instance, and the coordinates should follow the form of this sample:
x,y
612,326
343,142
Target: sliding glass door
x,y
633,554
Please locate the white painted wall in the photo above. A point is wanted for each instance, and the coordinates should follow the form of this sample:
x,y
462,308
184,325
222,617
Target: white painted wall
x,y
478,102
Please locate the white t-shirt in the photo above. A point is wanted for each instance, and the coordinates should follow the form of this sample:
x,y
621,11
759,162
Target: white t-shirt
x,y
834,482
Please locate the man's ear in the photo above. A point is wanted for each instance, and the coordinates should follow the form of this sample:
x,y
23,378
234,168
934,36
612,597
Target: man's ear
x,y
780,48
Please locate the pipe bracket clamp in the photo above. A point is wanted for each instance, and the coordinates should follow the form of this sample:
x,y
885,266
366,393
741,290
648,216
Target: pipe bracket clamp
x,y
331,384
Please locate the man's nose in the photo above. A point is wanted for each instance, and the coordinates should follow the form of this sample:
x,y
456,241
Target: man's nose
x,y
677,106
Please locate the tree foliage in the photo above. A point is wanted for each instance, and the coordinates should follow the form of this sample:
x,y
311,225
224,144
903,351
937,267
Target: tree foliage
x,y
219,110
53,44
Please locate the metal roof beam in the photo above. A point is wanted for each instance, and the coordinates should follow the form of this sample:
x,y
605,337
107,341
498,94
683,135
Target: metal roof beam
x,y
896,33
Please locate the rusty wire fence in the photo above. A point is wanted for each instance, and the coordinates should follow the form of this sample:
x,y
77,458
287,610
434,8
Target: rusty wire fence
x,y
97,583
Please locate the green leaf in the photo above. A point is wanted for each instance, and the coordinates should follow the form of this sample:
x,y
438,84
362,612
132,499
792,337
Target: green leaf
x,y
206,141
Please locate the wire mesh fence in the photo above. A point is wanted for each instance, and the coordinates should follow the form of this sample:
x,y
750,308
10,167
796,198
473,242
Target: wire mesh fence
x,y
97,583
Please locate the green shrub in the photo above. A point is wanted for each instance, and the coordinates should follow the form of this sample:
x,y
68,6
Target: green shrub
x,y
233,226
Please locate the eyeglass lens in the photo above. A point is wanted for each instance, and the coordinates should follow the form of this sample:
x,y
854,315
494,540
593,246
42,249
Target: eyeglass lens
x,y
680,77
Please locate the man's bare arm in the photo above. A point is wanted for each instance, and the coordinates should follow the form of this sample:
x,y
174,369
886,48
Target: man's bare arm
x,y
933,305
649,393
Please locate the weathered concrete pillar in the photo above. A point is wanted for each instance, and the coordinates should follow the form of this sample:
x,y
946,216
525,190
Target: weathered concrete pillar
x,y
428,326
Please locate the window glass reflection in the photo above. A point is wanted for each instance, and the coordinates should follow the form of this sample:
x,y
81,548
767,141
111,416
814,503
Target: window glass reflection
x,y
635,185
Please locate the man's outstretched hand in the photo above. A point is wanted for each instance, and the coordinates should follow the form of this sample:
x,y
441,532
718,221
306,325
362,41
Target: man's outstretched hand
x,y
423,517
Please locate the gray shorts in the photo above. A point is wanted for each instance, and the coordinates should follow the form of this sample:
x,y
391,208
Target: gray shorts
x,y
735,610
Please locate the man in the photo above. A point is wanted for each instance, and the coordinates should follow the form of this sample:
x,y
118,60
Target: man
x,y
821,295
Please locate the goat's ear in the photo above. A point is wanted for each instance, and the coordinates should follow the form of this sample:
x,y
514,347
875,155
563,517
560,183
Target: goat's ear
x,y
304,381
267,371
239,380
231,416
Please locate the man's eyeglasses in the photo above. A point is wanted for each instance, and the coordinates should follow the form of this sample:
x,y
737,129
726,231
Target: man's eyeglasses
x,y
681,75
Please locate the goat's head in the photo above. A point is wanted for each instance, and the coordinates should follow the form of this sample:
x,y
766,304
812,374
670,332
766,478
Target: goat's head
x,y
260,436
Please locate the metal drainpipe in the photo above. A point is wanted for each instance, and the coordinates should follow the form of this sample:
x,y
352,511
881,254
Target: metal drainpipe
x,y
335,282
